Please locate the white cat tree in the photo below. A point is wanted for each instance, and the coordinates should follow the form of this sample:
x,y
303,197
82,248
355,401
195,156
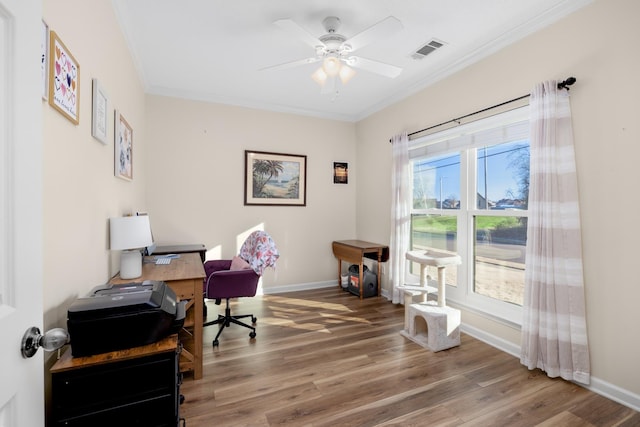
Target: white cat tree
x,y
442,323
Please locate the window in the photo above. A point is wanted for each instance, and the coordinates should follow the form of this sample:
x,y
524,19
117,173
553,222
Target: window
x,y
470,197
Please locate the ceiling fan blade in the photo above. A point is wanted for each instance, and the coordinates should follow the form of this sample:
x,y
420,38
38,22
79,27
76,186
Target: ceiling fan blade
x,y
296,30
383,29
381,68
291,64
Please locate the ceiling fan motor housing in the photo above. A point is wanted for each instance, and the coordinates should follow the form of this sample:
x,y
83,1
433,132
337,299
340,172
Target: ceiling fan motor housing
x,y
331,24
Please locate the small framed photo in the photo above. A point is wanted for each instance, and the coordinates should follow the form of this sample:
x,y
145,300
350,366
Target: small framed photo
x,y
123,148
44,60
64,79
340,173
99,113
275,179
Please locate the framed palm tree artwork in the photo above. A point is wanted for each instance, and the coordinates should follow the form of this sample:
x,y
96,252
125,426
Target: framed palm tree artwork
x,y
275,179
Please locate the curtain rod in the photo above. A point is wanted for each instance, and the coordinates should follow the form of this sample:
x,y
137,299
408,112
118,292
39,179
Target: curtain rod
x,y
561,85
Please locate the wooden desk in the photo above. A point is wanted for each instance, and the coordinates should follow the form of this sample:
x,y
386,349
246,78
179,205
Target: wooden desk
x,y
354,250
136,386
185,276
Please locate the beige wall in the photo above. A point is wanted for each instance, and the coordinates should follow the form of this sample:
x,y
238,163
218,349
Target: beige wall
x,y
80,189
196,184
597,45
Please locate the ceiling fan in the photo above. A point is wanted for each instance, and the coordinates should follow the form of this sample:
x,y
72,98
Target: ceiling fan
x,y
335,51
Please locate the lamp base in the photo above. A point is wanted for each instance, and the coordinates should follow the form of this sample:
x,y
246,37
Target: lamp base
x,y
130,264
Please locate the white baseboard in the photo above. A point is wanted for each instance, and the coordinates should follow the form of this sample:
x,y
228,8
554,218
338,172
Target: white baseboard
x,y
492,340
615,393
603,388
298,287
307,287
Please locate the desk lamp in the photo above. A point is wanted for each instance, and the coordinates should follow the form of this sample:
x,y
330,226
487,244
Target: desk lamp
x,y
130,234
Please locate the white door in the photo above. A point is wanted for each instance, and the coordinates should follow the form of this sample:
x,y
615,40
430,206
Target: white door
x,y
21,379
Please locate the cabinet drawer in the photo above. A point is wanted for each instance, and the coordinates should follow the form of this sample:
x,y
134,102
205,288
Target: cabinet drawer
x,y
156,412
119,386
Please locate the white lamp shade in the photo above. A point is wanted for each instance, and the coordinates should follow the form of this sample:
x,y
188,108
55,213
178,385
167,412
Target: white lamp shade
x,y
130,232
346,73
319,76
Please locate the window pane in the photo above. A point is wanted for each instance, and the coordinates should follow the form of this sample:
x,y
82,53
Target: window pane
x,y
435,232
436,183
499,253
503,176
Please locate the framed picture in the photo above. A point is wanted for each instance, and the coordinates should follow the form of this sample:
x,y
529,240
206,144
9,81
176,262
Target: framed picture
x,y
340,173
99,113
123,151
44,60
64,79
275,179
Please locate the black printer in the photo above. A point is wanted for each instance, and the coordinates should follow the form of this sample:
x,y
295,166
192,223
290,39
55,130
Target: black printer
x,y
116,317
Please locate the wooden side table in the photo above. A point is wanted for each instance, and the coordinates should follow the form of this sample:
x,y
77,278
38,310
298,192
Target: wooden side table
x,y
185,276
353,251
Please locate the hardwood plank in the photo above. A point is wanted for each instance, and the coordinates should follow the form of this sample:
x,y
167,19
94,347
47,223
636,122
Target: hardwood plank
x,y
326,358
565,419
598,410
384,404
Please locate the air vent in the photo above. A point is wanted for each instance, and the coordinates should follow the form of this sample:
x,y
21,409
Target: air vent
x,y
427,49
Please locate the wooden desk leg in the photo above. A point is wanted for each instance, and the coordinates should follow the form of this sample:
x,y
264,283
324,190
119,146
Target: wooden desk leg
x,y
197,329
361,283
379,269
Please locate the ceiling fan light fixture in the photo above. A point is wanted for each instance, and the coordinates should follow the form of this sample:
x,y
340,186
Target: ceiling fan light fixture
x,y
346,73
331,65
319,76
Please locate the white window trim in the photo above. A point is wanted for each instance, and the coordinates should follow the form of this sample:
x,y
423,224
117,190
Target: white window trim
x,y
513,125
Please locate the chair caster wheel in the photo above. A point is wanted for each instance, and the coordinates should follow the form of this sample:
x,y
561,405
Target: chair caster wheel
x,y
252,334
254,319
215,343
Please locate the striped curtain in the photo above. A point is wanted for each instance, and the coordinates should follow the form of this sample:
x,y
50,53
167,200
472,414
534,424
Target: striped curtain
x,y
554,332
400,214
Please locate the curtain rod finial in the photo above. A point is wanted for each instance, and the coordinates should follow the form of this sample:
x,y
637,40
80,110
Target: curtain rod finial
x,y
568,82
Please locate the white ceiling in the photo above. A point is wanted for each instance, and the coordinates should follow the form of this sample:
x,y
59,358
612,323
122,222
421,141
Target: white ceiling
x,y
214,50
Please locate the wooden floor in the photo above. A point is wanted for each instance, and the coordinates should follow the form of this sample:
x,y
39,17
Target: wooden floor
x,y
325,358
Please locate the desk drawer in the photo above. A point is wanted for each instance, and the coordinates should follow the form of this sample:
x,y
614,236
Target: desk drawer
x,y
184,289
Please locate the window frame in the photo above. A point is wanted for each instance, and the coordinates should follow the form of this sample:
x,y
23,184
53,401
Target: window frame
x,y
466,140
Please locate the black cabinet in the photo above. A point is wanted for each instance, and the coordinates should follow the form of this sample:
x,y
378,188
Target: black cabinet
x,y
133,387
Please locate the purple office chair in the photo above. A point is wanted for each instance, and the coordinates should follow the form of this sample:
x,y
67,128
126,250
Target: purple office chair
x,y
239,277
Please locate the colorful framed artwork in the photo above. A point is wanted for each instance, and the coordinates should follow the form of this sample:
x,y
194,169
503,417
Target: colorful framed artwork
x,y
123,148
340,173
44,59
99,113
275,179
64,79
